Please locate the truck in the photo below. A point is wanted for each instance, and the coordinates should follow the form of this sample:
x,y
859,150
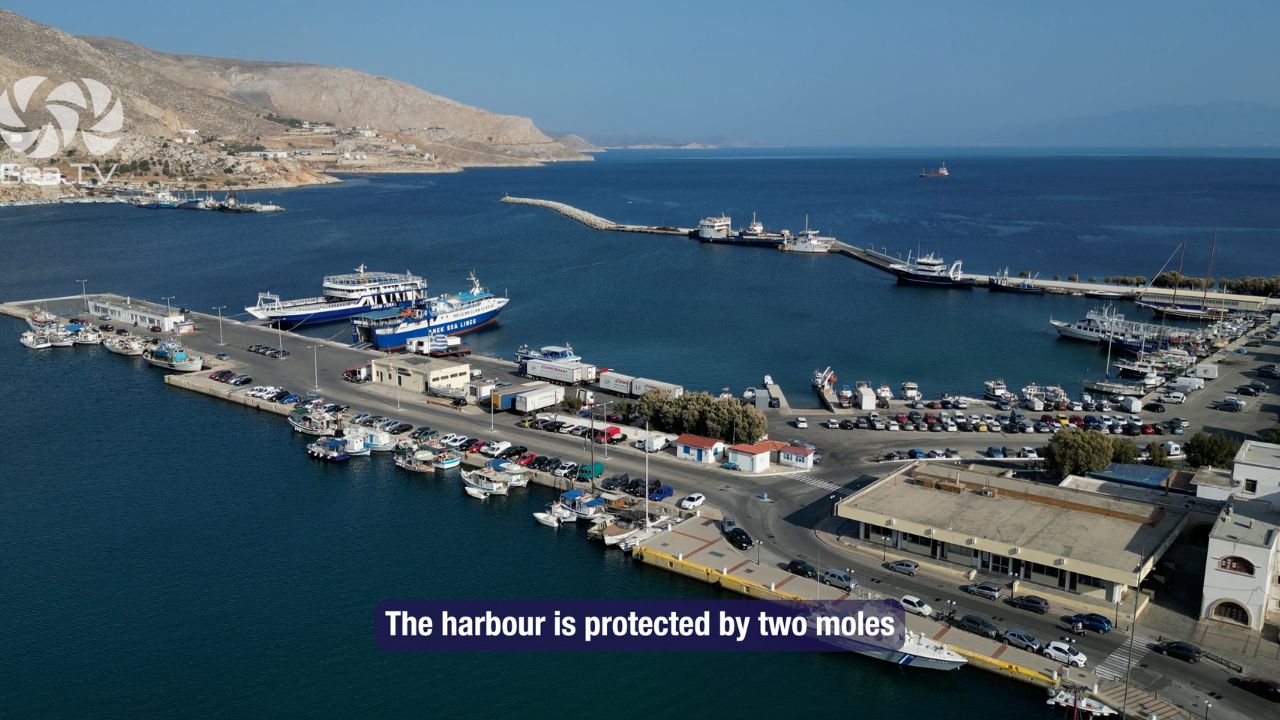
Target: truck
x,y
1131,404
640,386
534,400
656,443
357,374
505,398
1205,371
616,382
1184,384
565,372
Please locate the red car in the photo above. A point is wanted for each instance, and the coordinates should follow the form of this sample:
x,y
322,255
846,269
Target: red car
x,y
526,458
1148,429
474,446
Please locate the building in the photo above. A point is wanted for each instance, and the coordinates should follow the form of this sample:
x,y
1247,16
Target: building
x,y
265,154
1041,536
418,374
1242,567
755,457
1257,469
138,313
796,457
699,449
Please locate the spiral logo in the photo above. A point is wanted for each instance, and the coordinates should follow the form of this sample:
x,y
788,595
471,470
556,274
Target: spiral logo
x,y
66,104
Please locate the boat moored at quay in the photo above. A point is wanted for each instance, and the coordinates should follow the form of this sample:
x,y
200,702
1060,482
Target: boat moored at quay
x,y
464,312
344,296
931,271
170,355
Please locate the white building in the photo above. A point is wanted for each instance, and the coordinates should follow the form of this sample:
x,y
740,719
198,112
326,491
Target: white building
x,y
420,374
140,314
1242,569
754,458
796,457
1257,469
699,449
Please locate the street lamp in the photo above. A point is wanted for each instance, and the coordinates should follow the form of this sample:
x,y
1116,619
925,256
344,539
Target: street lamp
x,y
315,359
280,338
167,309
83,295
1207,705
220,308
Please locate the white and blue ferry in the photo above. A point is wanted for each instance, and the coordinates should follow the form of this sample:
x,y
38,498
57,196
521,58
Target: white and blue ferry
x,y
444,315
344,296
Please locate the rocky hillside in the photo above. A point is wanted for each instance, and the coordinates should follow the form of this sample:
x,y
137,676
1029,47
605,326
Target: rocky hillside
x,y
347,98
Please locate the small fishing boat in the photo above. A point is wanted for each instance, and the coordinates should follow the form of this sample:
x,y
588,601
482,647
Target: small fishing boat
x,y
329,449
87,336
446,460
485,481
419,462
171,356
309,423
60,338
127,345
35,340
562,512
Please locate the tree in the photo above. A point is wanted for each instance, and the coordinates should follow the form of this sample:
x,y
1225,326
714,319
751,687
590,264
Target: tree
x,y
1270,435
1074,452
1212,449
1123,451
1159,457
571,403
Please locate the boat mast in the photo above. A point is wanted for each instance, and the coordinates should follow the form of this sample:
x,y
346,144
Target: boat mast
x,y
1204,299
1173,305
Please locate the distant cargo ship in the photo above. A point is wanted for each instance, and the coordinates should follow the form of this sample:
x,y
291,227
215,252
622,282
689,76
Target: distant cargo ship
x,y
465,312
344,296
941,172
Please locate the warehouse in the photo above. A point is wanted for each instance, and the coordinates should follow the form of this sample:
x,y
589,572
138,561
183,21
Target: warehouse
x,y
419,374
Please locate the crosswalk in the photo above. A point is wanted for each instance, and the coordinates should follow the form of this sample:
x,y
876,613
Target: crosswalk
x,y
818,482
1114,665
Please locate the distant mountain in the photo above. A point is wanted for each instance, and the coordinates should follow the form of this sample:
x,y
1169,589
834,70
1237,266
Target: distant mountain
x,y
1237,124
577,143
640,140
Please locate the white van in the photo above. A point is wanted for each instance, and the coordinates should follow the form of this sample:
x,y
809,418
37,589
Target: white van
x,y
494,449
1173,398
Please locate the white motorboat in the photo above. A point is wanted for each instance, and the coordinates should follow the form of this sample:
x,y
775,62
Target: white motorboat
x,y
548,519
485,482
473,492
35,340
1075,700
127,345
60,338
562,512
419,462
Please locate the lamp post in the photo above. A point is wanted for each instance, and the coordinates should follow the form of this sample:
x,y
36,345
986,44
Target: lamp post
x,y
885,548
397,392
220,308
606,417
1207,705
83,295
491,408
167,308
315,359
280,338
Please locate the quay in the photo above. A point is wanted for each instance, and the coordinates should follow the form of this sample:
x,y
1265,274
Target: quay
x,y
881,260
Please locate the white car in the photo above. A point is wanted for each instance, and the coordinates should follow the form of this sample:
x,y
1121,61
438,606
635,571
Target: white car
x,y
1029,452
448,438
950,426
913,604
1173,398
802,423
1064,653
693,501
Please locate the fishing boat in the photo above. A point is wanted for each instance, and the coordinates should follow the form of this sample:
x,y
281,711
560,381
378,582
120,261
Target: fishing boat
x,y
60,338
931,271
127,345
612,531
1001,282
312,423
357,446
87,335
515,475
996,390
40,318
940,172
755,234
808,241
419,461
464,312
1075,700
584,505
485,482
562,512
446,460
344,296
911,391
35,340
329,449
170,355
1115,387
376,440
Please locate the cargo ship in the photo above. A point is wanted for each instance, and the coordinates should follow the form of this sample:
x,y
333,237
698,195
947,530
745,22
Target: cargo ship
x,y
344,296
465,312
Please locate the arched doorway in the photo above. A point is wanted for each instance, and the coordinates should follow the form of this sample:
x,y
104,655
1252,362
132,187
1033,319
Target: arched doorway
x,y
1231,612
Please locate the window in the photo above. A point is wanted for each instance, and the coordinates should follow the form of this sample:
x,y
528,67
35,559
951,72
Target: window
x,y
1227,610
1251,486
1235,564
1082,579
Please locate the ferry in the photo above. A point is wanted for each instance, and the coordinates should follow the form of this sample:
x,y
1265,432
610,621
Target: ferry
x,y
344,296
443,315
941,172
715,228
932,271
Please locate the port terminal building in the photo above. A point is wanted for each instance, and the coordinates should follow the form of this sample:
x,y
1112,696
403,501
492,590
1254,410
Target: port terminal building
x,y
138,313
1028,535
419,374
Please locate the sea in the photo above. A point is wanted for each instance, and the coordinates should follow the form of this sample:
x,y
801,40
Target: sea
x,y
168,555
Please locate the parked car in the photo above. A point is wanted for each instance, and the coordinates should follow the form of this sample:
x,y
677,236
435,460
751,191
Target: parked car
x,y
803,569
662,493
913,604
1065,653
1173,398
1262,687
1100,624
693,501
1021,639
906,567
840,579
1034,603
739,538
1179,649
978,625
802,423
988,590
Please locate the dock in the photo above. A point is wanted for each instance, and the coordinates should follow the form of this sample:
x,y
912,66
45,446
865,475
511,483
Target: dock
x,y
595,222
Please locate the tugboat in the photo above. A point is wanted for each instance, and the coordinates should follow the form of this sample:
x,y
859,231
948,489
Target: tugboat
x,y
932,271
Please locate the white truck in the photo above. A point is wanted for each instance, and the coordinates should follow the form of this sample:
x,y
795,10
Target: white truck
x,y
640,386
1206,371
1184,385
616,382
539,398
565,372
1131,404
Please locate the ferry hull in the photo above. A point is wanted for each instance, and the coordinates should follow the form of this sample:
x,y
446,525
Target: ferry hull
x,y
926,281
392,339
318,316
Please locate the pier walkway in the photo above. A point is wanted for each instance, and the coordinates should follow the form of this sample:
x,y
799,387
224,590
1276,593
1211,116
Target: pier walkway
x,y
594,221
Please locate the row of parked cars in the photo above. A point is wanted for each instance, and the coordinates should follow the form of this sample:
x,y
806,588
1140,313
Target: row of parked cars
x,y
610,434
655,489
230,377
269,351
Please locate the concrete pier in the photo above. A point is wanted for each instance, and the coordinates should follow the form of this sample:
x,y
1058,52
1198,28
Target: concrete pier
x,y
596,222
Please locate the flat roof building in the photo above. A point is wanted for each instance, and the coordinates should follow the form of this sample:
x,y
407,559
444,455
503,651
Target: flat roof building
x,y
419,374
1242,567
1059,537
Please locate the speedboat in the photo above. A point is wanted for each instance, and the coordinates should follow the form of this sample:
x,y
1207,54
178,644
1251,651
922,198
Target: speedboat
x,y
548,519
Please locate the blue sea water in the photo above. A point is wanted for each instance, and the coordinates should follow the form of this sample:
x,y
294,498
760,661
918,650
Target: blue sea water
x,y
169,555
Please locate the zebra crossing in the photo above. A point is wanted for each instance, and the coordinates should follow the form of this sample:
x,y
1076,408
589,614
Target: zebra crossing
x,y
818,482
1114,665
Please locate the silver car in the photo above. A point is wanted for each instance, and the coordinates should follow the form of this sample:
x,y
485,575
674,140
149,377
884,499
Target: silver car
x,y
990,591
1021,639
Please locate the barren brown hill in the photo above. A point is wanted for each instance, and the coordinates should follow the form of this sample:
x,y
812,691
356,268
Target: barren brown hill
x,y
347,98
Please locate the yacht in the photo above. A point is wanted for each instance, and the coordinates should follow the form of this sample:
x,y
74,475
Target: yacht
x,y
932,271
715,228
344,296
917,651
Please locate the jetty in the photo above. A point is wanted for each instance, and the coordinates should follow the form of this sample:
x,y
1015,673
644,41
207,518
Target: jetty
x,y
595,222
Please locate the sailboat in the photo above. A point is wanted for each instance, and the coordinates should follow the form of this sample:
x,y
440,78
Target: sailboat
x,y
1204,312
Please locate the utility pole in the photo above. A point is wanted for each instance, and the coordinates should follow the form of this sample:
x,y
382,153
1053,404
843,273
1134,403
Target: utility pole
x,y
315,358
280,338
220,308
167,309
83,295
1133,631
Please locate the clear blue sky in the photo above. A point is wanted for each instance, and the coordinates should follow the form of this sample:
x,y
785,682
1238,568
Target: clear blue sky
x,y
787,73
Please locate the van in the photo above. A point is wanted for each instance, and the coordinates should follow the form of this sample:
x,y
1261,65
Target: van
x,y
838,579
1173,398
494,449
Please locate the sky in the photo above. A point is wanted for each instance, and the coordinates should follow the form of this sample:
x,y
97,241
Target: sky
x,y
794,73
